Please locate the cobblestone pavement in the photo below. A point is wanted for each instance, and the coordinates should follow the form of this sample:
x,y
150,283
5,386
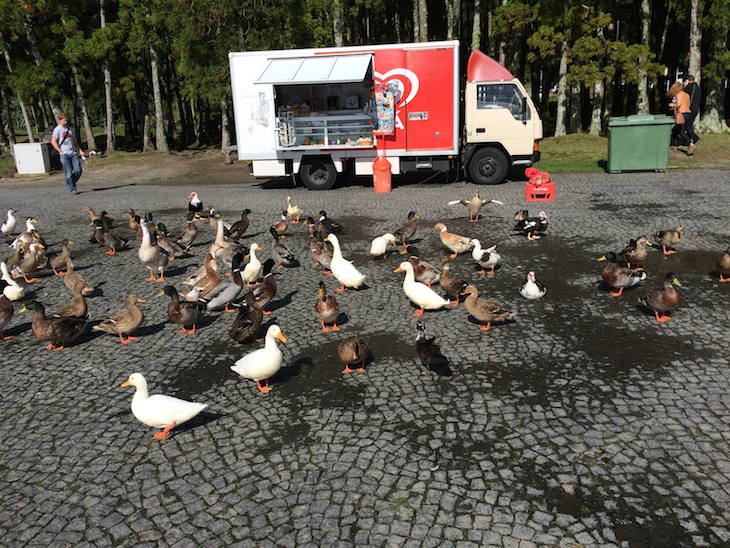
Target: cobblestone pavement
x,y
583,423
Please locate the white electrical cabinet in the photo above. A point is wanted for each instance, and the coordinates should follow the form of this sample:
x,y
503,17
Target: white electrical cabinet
x,y
31,158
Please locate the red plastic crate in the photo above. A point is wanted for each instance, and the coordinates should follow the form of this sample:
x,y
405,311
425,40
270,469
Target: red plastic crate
x,y
543,193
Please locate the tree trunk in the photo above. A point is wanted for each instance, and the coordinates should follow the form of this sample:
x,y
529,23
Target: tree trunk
x,y
695,51
338,23
576,116
713,120
597,105
160,138
5,104
21,103
562,90
423,20
90,141
416,20
503,48
38,59
111,138
476,26
225,125
147,145
453,11
642,101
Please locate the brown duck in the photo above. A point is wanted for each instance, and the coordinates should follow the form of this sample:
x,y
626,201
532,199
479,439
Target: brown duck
x,y
125,321
354,350
453,286
664,300
668,238
78,306
483,310
59,331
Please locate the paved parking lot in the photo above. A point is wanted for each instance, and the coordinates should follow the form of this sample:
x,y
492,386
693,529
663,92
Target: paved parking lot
x,y
582,423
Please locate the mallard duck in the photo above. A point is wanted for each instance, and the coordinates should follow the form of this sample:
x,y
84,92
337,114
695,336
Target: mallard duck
x,y
379,245
266,290
253,269
183,313
483,310
328,226
248,320
134,219
430,353
326,309
263,363
634,254
8,227
407,231
165,243
125,321
281,225
28,264
292,211
533,226
72,278
532,289
452,285
108,239
195,206
78,306
190,232
321,253
342,269
57,261
423,271
457,244
6,310
619,277
723,266
474,205
152,256
238,228
423,296
354,350
486,258
280,252
93,216
12,290
227,289
59,331
209,277
667,238
662,301
158,410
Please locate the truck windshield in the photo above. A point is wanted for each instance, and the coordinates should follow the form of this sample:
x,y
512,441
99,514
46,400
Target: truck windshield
x,y
502,95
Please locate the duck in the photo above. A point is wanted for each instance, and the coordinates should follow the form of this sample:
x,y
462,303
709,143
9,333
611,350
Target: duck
x,y
407,231
619,277
190,232
488,258
227,289
195,205
379,245
253,269
533,227
292,211
423,296
457,244
423,271
57,261
93,216
209,278
29,262
78,306
723,265
72,278
8,226
12,289
248,320
354,350
662,301
634,254
186,314
265,291
668,238
14,258
262,364
108,239
159,410
164,242
124,322
6,311
484,310
474,205
532,289
342,269
30,235
213,216
152,256
326,309
430,353
521,215
224,248
328,226
238,228
280,252
281,225
134,219
311,226
321,253
452,285
58,331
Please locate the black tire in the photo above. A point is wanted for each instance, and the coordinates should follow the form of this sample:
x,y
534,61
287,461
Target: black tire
x,y
488,166
318,175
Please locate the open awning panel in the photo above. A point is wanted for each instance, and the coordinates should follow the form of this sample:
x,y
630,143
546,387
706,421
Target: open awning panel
x,y
333,69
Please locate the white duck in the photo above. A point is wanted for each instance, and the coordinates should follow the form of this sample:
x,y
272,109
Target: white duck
x,y
487,258
12,291
422,295
253,269
8,227
293,211
379,245
342,269
262,364
152,256
159,411
532,289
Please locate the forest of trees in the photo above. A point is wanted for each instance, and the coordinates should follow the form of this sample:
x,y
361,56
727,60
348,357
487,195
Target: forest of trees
x,y
154,73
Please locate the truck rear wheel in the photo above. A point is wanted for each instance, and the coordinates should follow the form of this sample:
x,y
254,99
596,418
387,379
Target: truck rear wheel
x,y
318,175
488,166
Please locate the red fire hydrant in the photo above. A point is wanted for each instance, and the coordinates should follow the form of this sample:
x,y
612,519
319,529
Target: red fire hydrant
x,y
382,176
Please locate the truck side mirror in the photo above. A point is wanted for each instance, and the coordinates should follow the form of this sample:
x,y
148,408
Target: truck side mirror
x,y
524,111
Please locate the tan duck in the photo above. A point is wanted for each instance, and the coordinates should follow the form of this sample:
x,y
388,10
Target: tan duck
x,y
407,231
29,262
354,351
456,243
224,248
664,300
72,278
423,271
281,225
668,238
93,216
124,322
6,310
57,261
58,331
209,277
186,314
474,205
294,212
452,285
484,310
723,266
619,277
78,306
152,256
634,254
326,309
133,220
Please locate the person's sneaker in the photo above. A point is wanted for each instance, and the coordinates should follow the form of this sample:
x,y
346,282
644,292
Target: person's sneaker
x,y
697,141
74,191
691,149
673,149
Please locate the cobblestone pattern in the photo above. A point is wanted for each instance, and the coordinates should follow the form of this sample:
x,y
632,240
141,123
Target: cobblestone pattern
x,y
583,423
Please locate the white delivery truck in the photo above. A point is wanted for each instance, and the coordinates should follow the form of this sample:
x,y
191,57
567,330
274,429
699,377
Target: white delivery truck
x,y
317,113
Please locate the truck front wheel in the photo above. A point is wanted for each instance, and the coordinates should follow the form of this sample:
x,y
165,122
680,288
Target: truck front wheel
x,y
488,166
318,175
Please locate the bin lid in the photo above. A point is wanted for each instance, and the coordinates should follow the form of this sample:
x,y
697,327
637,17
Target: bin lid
x,y
640,120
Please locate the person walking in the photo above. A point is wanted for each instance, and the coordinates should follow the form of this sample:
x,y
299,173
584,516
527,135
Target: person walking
x,y
65,143
694,91
682,117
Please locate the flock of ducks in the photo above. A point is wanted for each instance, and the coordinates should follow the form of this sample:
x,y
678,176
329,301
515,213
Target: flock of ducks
x,y
234,278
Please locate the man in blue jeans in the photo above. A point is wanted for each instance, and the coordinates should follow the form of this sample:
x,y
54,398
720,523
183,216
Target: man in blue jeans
x,y
64,141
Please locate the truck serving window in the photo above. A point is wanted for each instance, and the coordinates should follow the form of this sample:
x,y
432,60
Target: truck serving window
x,y
503,95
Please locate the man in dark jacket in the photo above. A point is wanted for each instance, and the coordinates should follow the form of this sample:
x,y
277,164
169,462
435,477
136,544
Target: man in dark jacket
x,y
695,97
